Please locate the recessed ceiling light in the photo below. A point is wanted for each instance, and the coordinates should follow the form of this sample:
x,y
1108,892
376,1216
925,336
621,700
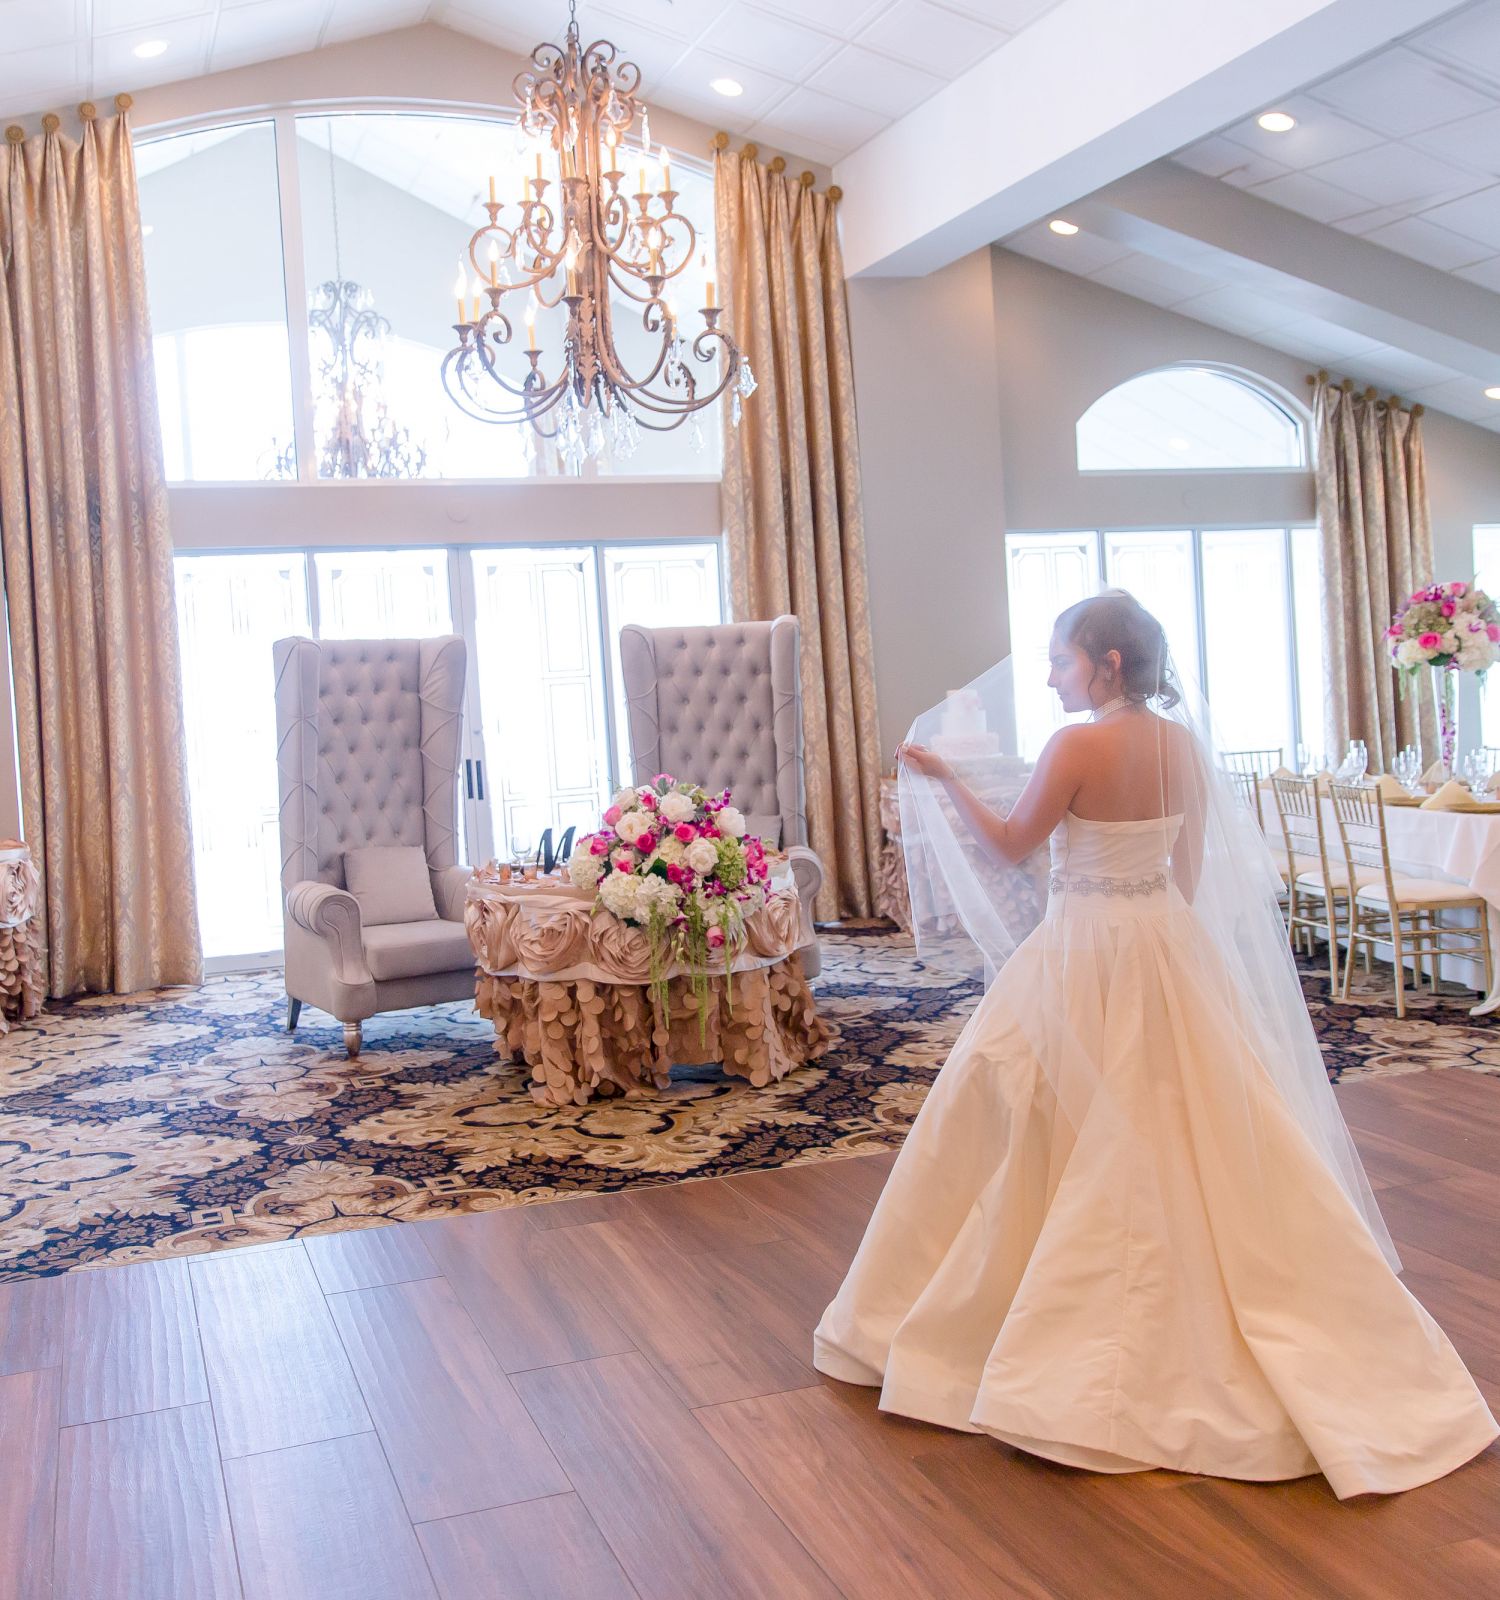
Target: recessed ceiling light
x,y
151,47
1066,229
1277,122
1493,394
729,86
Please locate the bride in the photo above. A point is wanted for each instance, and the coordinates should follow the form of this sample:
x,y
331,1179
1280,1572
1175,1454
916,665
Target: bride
x,y
1129,1228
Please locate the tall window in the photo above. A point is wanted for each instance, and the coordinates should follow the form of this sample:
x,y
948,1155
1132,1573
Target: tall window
x,y
388,203
1487,576
1184,419
545,735
211,215
1240,608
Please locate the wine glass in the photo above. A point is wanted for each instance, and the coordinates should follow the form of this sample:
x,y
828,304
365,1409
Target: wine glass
x,y
1407,768
1358,760
522,850
1476,770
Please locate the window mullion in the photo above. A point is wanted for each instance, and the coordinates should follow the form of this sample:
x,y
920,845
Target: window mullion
x,y
294,276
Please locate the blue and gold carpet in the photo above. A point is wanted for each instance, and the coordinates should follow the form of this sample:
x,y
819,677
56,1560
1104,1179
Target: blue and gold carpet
x,y
170,1123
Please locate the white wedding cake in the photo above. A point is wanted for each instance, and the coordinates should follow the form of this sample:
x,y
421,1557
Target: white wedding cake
x,y
963,734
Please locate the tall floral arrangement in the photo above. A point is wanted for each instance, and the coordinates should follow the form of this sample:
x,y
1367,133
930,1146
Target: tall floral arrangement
x,y
1452,628
674,860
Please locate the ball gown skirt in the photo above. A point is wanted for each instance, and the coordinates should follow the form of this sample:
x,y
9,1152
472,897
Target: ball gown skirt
x,y
1102,1289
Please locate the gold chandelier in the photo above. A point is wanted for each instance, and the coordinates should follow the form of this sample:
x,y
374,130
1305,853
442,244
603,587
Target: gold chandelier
x,y
593,241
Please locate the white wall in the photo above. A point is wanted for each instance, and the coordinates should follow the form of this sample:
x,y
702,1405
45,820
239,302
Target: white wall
x,y
967,411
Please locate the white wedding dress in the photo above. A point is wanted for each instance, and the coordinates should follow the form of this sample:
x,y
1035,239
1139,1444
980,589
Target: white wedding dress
x,y
1101,1289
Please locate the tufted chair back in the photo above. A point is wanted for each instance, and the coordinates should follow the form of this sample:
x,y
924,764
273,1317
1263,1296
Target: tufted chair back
x,y
723,706
367,747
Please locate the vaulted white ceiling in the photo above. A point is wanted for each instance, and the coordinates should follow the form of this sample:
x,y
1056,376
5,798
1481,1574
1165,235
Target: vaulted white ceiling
x,y
820,77
1401,150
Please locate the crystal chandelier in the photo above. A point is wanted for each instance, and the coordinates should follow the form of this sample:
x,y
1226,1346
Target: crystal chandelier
x,y
591,242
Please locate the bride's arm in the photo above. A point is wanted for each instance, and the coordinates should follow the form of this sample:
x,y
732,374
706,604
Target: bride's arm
x,y
1048,793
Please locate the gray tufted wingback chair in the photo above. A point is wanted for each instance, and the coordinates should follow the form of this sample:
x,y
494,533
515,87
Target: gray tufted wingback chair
x,y
367,735
723,706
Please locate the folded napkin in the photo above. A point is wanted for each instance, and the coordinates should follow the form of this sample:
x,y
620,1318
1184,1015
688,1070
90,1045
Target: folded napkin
x,y
1434,775
1494,784
1392,788
1283,772
1450,795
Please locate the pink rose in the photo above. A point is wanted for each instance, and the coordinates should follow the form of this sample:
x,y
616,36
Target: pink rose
x,y
646,843
685,832
1430,641
598,845
1458,588
1393,632
613,815
709,831
1448,608
664,777
715,938
623,860
676,873
1494,632
648,800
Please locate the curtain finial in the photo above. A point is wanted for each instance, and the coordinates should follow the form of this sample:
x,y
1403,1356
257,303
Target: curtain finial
x,y
123,102
807,180
750,152
1419,410
779,164
51,122
835,194
15,133
88,111
720,141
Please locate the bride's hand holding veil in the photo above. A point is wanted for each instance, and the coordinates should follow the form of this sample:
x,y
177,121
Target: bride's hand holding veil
x,y
920,759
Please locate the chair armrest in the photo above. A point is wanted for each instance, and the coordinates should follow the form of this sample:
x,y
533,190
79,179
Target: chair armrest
x,y
333,915
807,873
449,888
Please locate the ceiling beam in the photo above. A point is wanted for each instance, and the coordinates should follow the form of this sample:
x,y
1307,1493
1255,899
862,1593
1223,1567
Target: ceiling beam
x,y
1089,92
1224,233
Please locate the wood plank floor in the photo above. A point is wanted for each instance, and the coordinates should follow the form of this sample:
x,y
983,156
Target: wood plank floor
x,y
613,1397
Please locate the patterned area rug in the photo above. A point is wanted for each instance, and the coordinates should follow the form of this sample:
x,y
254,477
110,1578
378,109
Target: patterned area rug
x,y
171,1123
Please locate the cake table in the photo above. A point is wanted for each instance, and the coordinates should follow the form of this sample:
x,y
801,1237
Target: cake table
x,y
567,987
22,977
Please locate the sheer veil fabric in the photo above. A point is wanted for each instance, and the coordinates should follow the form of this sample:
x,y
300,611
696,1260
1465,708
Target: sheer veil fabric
x,y
1129,1228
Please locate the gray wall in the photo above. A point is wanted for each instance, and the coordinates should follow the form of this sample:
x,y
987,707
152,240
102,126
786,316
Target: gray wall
x,y
969,386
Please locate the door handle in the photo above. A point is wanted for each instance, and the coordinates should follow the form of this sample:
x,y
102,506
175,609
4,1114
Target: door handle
x,y
479,775
468,779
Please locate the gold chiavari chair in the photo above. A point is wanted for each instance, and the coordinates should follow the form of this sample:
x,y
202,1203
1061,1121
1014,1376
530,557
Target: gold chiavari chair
x,y
1317,889
1391,908
1259,763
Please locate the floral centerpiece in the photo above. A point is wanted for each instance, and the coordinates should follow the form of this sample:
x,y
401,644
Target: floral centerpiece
x,y
674,860
1452,628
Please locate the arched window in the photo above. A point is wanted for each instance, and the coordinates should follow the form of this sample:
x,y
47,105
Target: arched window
x,y
1190,419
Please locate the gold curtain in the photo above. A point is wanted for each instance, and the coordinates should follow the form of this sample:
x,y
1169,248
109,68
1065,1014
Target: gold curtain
x,y
793,520
1371,477
88,567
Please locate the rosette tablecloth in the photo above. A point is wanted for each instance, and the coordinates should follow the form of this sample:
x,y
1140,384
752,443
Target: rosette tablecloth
x,y
23,978
567,988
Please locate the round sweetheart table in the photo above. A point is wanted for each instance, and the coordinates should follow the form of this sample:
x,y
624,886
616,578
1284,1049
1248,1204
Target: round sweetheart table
x,y
566,985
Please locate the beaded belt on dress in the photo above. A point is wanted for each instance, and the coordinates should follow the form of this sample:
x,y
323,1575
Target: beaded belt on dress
x,y
1113,888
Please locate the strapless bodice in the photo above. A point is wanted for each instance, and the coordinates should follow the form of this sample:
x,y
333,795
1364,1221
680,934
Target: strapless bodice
x,y
1114,860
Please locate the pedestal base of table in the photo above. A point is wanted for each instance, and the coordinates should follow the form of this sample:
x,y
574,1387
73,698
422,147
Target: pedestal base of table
x,y
22,971
582,1039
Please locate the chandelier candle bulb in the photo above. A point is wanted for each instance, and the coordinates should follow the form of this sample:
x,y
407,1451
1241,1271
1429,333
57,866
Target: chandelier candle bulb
x,y
666,171
492,188
460,286
531,325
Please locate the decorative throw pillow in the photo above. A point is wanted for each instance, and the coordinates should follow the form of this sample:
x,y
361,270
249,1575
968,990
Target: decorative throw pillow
x,y
391,883
767,829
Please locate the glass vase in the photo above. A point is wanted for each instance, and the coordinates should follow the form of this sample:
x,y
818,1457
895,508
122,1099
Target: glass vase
x,y
1445,698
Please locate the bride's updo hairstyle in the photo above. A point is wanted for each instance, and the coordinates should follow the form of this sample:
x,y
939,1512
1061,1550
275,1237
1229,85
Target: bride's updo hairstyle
x,y
1115,620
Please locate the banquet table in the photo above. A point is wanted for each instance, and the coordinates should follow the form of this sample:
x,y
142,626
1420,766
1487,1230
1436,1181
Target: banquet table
x,y
1459,846
567,987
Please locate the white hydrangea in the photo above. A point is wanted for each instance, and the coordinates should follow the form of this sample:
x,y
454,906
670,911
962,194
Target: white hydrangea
x,y
677,807
1410,654
621,894
732,821
624,798
702,855
585,869
632,825
1476,653
657,891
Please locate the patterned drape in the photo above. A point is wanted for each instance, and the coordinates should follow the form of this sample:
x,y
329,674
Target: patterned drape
x,y
793,520
1377,547
88,567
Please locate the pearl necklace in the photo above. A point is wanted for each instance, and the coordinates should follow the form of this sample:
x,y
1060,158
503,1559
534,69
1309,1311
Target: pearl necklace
x,y
1099,713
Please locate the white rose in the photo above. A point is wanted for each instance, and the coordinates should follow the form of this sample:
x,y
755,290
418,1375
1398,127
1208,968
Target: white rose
x,y
585,869
625,798
731,821
702,855
677,807
1410,653
621,894
672,851
632,825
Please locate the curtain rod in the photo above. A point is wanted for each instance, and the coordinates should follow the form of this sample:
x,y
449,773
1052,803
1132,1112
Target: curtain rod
x,y
15,133
751,152
1314,379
